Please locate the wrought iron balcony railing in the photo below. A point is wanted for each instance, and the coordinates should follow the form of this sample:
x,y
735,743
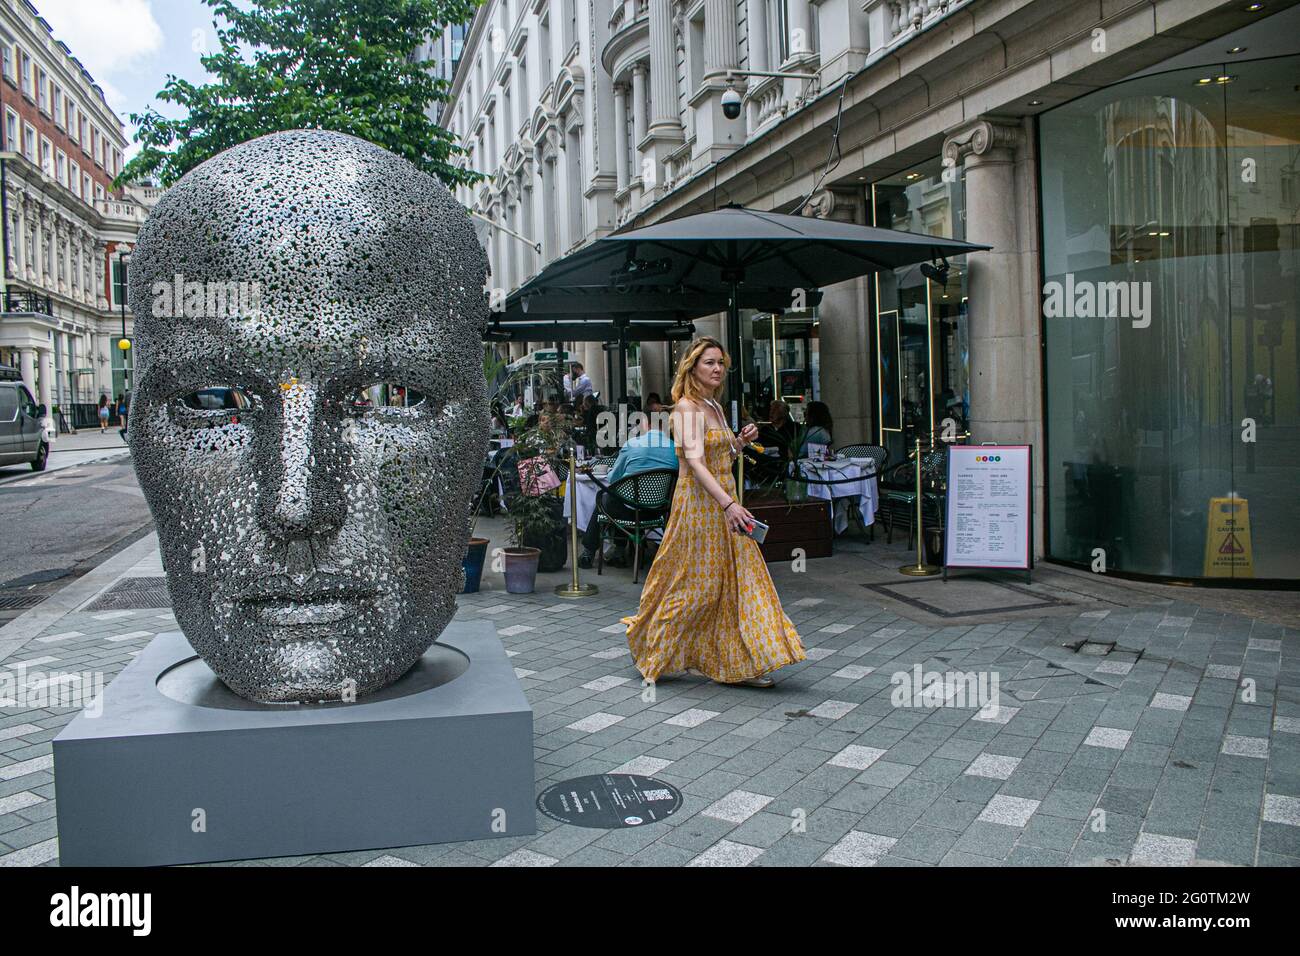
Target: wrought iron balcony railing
x,y
22,300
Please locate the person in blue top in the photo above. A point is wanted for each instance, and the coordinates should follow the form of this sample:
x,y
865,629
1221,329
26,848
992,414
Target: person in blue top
x,y
650,450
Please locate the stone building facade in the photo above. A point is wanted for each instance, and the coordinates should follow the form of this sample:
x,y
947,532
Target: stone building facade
x,y
67,230
1102,139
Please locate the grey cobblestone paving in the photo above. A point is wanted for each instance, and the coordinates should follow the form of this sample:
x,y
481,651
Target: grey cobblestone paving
x,y
1179,746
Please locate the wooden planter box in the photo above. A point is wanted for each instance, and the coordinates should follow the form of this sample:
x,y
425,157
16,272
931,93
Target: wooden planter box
x,y
804,524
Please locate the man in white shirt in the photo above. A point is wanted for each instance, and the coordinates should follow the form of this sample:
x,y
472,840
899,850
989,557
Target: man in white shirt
x,y
576,383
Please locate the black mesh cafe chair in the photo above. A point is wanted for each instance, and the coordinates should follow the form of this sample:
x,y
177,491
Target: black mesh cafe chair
x,y
898,494
648,494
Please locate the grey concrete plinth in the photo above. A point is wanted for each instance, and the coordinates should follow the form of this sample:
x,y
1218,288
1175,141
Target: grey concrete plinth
x,y
177,769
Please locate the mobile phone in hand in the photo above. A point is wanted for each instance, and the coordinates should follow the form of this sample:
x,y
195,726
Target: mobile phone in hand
x,y
756,530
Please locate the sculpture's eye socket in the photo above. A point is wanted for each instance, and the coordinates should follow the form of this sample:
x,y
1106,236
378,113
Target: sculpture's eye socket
x,y
216,405
384,396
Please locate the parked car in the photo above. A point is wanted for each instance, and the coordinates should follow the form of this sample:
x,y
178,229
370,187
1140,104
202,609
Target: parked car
x,y
22,433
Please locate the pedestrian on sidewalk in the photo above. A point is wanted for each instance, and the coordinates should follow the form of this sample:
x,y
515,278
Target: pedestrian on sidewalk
x,y
709,605
103,414
121,415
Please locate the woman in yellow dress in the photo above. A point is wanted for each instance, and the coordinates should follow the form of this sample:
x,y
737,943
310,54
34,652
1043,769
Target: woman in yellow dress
x,y
709,606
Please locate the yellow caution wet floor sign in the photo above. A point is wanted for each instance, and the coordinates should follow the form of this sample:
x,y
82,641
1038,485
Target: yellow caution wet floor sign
x,y
1227,540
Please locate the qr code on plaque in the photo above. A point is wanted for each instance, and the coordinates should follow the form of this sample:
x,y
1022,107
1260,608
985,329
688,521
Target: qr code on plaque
x,y
657,794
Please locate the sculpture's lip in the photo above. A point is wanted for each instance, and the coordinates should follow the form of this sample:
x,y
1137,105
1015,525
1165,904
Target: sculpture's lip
x,y
314,591
306,611
319,596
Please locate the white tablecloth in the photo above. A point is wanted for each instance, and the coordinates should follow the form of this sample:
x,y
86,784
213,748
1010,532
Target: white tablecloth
x,y
587,490
861,491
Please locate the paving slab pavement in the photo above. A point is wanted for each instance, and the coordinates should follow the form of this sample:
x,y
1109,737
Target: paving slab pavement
x,y
1133,725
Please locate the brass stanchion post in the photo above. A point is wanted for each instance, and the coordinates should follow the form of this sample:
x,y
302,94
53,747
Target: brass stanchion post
x,y
574,589
920,569
740,478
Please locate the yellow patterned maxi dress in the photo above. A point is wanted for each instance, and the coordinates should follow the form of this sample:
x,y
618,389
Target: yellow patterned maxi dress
x,y
709,602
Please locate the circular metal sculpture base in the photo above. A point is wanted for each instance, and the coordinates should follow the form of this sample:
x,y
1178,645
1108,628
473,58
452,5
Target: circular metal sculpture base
x,y
579,591
919,570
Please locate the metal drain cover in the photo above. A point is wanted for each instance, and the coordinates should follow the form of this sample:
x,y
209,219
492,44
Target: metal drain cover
x,y
133,593
610,801
19,602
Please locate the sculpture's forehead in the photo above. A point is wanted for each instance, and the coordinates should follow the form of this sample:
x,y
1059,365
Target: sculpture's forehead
x,y
337,337
314,216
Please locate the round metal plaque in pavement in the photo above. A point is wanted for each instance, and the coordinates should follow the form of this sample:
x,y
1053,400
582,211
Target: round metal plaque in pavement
x,y
610,801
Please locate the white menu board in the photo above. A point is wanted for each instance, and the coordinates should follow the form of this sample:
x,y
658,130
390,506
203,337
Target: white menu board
x,y
989,507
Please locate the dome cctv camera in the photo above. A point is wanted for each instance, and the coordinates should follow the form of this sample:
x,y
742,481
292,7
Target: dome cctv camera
x,y
731,104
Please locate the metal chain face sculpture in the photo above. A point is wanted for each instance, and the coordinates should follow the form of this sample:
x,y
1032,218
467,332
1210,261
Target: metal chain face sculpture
x,y
310,415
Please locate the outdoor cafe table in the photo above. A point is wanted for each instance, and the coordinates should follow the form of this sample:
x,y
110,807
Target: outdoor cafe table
x,y
862,491
587,489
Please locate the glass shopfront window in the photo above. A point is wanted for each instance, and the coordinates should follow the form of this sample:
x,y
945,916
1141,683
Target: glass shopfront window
x,y
921,331
787,343
1171,229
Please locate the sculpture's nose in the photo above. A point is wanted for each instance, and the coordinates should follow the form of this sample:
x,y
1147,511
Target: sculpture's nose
x,y
301,496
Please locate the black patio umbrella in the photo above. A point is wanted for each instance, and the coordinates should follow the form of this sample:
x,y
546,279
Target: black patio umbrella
x,y
732,247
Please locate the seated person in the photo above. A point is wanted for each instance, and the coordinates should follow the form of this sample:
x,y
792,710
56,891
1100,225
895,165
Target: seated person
x,y
646,452
781,430
817,427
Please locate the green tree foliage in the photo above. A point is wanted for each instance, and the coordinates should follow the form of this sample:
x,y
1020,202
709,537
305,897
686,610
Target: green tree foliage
x,y
344,65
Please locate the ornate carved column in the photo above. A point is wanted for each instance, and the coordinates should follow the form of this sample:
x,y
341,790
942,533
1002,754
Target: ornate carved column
x,y
101,296
59,241
29,239
620,135
88,268
15,235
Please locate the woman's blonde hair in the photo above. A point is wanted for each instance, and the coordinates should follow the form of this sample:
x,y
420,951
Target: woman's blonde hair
x,y
684,383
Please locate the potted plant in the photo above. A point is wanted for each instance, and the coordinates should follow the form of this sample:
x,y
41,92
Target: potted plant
x,y
544,528
532,518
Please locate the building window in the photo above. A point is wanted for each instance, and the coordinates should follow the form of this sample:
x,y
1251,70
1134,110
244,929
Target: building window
x,y
58,105
69,114
47,157
99,192
1169,317
43,91
119,281
11,130
81,133
29,142
25,68
7,51
74,178
61,167
87,192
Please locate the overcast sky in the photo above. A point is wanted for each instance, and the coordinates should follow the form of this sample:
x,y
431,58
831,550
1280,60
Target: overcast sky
x,y
130,46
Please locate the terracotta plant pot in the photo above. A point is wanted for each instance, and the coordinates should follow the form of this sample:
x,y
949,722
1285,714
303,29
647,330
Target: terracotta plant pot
x,y
474,558
521,569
